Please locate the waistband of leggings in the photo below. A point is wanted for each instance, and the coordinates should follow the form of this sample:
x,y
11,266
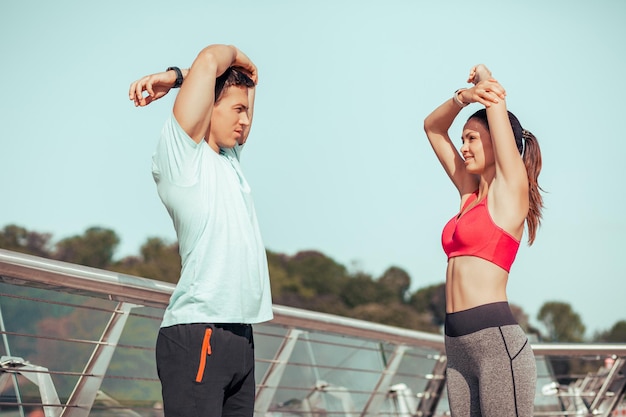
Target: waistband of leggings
x,y
478,318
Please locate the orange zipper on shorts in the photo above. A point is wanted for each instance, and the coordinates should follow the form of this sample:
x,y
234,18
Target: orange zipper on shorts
x,y
206,350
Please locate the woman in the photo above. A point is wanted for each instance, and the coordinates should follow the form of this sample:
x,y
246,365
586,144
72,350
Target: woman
x,y
491,368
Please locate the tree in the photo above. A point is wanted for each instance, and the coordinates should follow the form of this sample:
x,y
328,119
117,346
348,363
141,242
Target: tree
x,y
362,289
18,239
318,272
394,314
562,323
159,260
431,300
309,280
617,334
94,248
286,287
398,281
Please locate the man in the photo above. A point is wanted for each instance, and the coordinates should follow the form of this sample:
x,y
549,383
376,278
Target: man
x,y
205,349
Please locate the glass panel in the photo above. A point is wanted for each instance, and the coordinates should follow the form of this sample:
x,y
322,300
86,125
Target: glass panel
x,y
327,373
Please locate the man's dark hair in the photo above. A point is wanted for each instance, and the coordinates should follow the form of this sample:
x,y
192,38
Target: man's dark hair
x,y
232,76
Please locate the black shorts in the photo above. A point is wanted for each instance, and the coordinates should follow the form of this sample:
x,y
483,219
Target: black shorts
x,y
206,369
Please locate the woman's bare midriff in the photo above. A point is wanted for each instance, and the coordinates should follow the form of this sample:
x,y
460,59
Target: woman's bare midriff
x,y
472,281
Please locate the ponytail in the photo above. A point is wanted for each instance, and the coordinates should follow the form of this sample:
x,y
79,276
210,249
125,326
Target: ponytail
x,y
532,162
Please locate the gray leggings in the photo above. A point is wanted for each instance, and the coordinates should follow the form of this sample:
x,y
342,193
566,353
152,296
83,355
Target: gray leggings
x,y
491,367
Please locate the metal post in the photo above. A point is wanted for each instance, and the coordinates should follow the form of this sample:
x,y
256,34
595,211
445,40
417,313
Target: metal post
x,y
273,375
384,383
432,393
84,394
611,376
7,349
39,376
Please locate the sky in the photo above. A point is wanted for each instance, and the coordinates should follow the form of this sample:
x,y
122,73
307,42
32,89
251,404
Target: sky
x,y
337,157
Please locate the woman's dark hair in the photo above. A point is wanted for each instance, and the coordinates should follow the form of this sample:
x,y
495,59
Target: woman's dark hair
x,y
528,147
232,76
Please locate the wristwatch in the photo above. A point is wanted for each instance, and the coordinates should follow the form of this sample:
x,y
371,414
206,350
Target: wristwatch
x,y
457,100
179,76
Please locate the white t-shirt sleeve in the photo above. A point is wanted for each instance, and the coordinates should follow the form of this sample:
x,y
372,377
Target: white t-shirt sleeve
x,y
177,156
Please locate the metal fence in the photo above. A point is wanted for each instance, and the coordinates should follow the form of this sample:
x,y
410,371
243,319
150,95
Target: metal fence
x,y
79,341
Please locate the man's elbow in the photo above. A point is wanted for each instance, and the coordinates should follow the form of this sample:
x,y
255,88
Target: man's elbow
x,y
206,61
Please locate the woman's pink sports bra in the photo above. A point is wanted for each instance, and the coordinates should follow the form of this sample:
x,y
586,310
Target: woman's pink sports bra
x,y
475,234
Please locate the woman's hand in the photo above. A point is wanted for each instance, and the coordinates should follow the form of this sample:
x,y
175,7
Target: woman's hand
x,y
486,90
479,73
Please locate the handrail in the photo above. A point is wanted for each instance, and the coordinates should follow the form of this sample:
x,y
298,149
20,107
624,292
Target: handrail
x,y
83,279
295,317
50,273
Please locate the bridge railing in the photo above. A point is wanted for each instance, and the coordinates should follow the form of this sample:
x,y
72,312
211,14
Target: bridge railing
x,y
79,341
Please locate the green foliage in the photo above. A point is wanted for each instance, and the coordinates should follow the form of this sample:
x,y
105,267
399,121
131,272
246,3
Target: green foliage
x,y
318,272
159,260
285,284
309,280
522,319
18,239
395,314
313,281
563,324
398,282
362,289
617,334
431,300
94,248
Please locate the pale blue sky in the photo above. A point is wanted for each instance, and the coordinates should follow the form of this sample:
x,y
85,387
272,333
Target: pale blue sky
x,y
337,157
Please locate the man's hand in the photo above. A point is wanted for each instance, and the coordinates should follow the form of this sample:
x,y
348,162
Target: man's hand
x,y
242,62
156,85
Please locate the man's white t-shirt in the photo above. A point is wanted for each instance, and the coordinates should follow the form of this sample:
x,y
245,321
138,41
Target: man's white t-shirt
x,y
224,276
